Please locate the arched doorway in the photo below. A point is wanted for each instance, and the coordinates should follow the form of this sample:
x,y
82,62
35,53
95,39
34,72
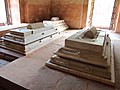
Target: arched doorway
x,y
3,18
100,13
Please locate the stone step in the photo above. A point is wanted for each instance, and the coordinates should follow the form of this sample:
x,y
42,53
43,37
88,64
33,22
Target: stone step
x,y
80,74
84,67
8,54
93,58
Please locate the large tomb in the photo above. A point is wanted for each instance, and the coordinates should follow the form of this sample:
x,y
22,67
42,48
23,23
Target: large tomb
x,y
25,40
89,54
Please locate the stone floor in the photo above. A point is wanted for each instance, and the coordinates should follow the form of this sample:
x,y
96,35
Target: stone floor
x,y
34,75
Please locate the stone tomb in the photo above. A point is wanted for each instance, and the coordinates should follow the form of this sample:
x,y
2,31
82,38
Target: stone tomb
x,y
25,40
88,55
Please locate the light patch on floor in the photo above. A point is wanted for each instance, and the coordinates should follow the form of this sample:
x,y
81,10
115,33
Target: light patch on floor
x,y
3,62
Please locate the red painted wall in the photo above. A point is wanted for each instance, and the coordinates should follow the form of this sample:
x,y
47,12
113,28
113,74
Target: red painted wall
x,y
34,10
117,23
74,12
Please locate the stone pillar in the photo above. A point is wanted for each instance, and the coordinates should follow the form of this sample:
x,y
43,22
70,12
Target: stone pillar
x,y
114,15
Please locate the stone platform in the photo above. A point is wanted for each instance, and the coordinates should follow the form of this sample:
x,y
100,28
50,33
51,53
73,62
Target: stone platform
x,y
29,72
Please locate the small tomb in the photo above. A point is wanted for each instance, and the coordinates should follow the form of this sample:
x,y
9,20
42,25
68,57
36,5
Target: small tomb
x,y
56,23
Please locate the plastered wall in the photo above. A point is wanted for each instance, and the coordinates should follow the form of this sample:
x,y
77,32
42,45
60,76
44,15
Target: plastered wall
x,y
117,25
34,10
74,12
